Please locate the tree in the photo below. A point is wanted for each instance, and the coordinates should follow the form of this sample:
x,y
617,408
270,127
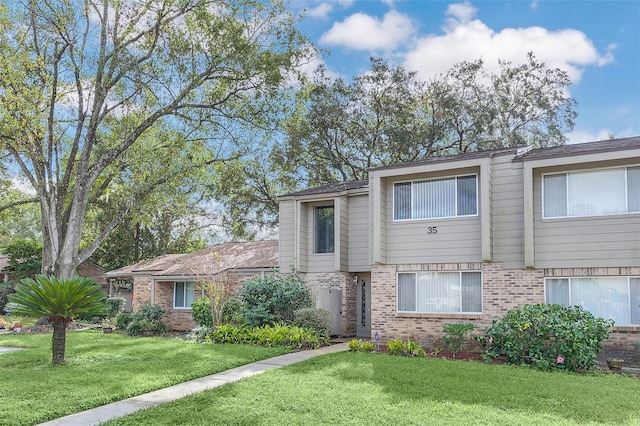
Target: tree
x,y
19,214
60,301
25,257
112,100
388,116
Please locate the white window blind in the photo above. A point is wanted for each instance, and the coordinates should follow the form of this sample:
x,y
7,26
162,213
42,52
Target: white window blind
x,y
436,198
592,193
440,292
616,298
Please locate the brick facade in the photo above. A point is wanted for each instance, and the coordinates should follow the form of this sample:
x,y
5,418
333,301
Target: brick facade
x,y
345,282
502,289
180,319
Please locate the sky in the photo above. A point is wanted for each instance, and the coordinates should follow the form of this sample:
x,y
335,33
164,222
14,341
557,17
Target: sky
x,y
596,42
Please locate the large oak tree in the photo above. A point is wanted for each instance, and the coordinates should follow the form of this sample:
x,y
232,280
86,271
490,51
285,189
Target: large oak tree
x,y
110,101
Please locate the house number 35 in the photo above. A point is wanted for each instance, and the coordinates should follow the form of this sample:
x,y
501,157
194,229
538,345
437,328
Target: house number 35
x,y
432,230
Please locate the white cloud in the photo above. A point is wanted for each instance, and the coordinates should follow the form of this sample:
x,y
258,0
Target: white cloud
x,y
467,38
388,2
321,11
364,32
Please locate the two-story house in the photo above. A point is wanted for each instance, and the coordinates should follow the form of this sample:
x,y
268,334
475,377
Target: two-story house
x,y
471,236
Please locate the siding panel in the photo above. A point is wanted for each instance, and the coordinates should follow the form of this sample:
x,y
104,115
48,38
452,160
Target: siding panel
x,y
359,246
508,212
287,234
584,241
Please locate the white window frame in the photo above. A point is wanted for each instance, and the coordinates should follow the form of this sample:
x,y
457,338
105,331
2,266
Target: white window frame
x,y
572,303
435,313
413,181
567,173
185,288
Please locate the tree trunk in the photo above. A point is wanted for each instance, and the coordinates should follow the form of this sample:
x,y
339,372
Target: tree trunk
x,y
59,339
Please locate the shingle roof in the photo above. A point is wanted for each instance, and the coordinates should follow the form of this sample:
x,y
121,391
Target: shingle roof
x,y
449,158
582,148
521,154
209,261
329,188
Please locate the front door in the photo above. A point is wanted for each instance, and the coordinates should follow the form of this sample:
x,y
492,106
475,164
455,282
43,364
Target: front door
x,y
363,306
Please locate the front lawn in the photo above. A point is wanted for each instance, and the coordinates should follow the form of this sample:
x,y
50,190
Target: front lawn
x,y
359,388
102,368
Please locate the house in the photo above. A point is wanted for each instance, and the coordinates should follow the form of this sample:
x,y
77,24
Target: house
x,y
172,281
466,238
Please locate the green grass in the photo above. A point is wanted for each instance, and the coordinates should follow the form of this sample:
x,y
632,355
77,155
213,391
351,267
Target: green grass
x,y
102,368
358,388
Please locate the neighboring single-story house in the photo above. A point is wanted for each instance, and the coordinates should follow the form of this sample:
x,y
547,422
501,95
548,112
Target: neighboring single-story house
x,y
86,269
172,280
466,238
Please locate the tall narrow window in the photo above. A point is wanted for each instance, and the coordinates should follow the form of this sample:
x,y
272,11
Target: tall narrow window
x,y
324,229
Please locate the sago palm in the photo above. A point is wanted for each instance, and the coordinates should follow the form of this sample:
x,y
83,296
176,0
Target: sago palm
x,y
60,301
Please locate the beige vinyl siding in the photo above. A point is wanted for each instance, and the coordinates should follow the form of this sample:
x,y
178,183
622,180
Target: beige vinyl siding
x,y
305,239
316,262
598,241
508,212
287,234
342,239
359,225
458,239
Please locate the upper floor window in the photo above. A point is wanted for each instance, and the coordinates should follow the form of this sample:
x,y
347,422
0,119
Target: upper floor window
x,y
440,292
435,198
324,229
616,298
183,294
592,193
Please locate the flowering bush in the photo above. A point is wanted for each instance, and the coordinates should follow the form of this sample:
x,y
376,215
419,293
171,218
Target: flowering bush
x,y
547,337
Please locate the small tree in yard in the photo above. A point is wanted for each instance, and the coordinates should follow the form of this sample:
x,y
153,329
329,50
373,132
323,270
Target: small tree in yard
x,y
216,285
60,301
273,298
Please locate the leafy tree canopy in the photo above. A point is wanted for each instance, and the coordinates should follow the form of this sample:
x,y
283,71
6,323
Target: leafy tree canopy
x,y
111,101
385,116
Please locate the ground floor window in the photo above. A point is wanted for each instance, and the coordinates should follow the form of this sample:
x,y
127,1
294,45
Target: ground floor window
x,y
616,298
183,294
440,292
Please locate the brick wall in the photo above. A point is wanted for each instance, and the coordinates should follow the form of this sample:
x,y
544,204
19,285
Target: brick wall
x,y
503,289
181,319
345,282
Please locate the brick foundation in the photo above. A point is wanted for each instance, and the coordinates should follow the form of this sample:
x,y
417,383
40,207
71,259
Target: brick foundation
x,y
503,290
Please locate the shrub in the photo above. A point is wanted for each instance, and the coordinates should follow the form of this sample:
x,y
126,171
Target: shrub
x,y
406,348
547,337
456,335
114,306
317,319
232,311
201,312
122,320
359,345
268,335
273,299
146,317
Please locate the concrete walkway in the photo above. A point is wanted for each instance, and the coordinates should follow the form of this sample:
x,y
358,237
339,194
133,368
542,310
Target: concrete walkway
x,y
99,415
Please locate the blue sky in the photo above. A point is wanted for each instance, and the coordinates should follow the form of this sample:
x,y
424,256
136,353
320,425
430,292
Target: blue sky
x,y
596,42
